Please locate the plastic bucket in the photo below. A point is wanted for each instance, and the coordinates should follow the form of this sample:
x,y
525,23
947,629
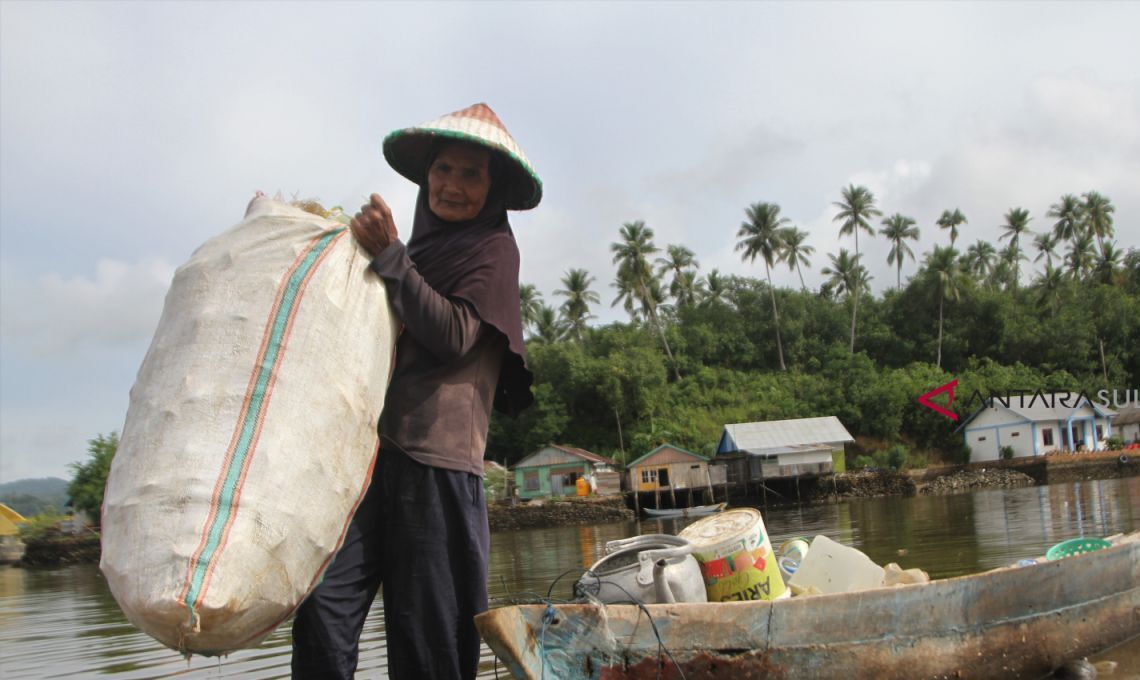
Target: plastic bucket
x,y
1076,546
735,556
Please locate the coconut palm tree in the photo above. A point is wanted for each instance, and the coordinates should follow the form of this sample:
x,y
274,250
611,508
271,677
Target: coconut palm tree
x,y
689,288
635,279
548,328
1069,214
530,301
1081,257
796,252
1049,289
1001,276
1098,216
627,294
951,220
715,287
679,259
980,259
1016,225
1108,264
1046,245
762,234
942,268
576,309
845,275
1009,265
855,212
898,229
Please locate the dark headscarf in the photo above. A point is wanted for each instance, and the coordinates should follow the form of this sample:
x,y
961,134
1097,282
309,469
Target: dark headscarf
x,y
478,261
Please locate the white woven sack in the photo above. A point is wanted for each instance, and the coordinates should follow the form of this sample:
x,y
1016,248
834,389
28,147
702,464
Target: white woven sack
x,y
251,432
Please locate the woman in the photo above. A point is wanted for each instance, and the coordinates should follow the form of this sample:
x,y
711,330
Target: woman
x,y
421,529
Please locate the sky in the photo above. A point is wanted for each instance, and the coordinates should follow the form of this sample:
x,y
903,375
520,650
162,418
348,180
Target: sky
x,y
130,133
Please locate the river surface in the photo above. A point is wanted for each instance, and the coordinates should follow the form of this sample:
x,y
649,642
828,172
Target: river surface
x,y
63,622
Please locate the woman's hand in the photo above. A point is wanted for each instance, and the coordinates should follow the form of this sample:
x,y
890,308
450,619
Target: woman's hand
x,y
373,227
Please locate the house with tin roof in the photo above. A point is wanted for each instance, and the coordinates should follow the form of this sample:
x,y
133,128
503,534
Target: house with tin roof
x,y
784,448
1035,424
554,470
669,467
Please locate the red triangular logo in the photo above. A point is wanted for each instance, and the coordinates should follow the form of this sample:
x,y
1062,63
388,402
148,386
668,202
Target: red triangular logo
x,y
948,387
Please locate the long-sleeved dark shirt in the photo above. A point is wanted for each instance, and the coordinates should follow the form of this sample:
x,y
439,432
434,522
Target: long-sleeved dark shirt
x,y
439,401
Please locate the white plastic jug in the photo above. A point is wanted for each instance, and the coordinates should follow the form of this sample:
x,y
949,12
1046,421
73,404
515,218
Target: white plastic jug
x,y
831,567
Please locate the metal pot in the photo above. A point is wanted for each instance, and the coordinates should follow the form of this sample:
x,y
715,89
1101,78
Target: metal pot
x,y
654,568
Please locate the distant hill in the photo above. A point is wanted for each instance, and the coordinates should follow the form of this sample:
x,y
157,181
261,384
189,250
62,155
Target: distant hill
x,y
32,496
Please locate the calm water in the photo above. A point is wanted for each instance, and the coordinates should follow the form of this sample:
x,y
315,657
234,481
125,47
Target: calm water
x,y
60,623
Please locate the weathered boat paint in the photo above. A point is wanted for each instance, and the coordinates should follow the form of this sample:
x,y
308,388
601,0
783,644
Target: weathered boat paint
x,y
1011,623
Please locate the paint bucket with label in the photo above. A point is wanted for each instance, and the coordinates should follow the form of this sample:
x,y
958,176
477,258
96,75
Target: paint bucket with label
x,y
736,557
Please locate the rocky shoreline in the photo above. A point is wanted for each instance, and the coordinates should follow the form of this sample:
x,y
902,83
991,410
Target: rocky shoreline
x,y
558,512
970,480
62,550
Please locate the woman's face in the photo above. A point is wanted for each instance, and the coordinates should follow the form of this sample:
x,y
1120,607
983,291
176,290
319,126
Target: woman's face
x,y
458,181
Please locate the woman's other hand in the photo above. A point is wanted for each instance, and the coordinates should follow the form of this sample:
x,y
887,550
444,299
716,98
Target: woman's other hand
x,y
373,227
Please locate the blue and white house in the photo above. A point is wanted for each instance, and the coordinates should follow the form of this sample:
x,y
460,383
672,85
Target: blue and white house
x,y
1035,424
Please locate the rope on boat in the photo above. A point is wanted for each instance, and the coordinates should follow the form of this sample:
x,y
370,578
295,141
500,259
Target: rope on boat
x,y
549,614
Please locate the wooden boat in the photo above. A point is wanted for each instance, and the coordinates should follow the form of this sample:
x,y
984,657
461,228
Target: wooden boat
x,y
695,511
1013,622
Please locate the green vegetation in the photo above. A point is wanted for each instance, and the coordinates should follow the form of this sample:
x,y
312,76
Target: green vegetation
x,y
42,526
894,458
702,351
86,488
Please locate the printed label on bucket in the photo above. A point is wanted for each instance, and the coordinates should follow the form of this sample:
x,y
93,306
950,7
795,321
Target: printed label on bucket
x,y
736,559
742,575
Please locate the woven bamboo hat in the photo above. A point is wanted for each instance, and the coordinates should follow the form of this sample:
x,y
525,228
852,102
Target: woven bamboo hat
x,y
408,150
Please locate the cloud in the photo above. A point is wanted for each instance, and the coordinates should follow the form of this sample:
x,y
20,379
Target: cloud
x,y
735,161
1073,135
1084,115
119,304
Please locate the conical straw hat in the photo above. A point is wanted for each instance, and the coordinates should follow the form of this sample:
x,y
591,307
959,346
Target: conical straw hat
x,y
408,150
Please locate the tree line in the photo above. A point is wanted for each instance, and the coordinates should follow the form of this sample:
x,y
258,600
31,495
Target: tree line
x,y
700,351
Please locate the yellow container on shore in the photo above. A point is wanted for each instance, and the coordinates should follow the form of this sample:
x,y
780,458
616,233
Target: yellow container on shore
x,y
736,557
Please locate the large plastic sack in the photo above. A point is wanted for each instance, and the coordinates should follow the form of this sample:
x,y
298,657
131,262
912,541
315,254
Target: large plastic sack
x,y
251,433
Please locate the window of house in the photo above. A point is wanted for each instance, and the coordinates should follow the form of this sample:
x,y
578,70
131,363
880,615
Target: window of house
x,y
981,439
1016,434
530,481
1099,432
648,476
1047,436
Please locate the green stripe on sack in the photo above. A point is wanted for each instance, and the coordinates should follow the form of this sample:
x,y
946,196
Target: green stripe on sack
x,y
252,415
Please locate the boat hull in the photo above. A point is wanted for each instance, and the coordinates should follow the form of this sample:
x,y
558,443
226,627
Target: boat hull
x,y
695,511
1011,623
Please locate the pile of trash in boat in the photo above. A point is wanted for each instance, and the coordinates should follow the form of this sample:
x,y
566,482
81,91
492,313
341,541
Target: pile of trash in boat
x,y
727,557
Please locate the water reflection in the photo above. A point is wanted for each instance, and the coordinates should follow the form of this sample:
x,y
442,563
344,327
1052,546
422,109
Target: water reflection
x,y
61,623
